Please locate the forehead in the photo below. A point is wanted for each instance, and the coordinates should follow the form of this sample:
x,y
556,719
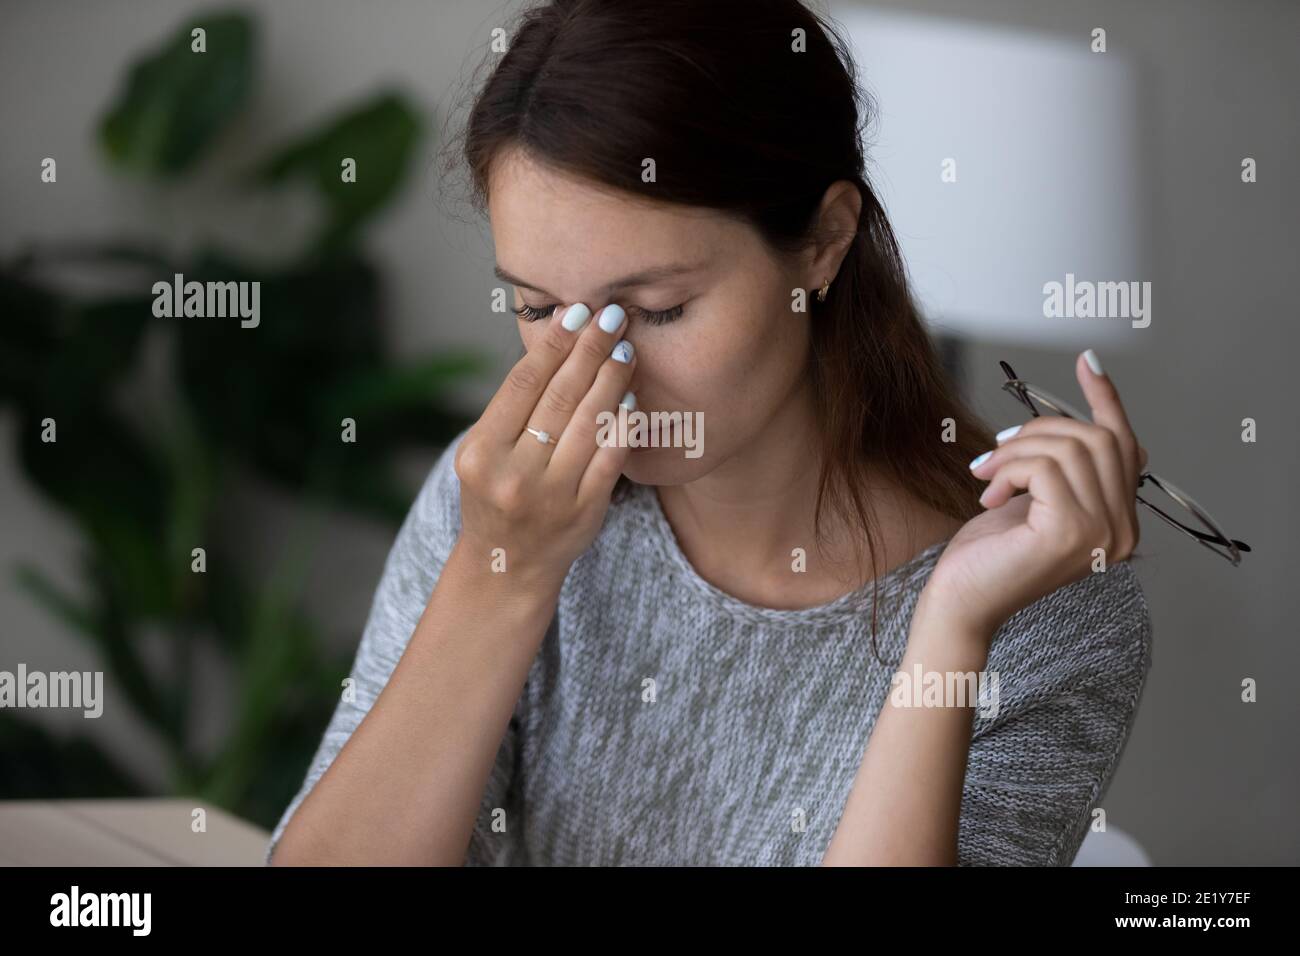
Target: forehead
x,y
549,226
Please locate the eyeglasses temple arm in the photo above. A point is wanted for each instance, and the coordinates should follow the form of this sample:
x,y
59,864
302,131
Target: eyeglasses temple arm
x,y
1216,539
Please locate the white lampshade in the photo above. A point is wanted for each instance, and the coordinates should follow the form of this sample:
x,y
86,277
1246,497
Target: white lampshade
x,y
1044,135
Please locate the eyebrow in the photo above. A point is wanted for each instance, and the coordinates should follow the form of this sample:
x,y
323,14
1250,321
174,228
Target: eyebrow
x,y
644,277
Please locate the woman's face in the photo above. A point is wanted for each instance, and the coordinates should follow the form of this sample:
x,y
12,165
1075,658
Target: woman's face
x,y
730,347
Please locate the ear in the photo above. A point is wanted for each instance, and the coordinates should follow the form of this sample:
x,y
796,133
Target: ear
x,y
834,227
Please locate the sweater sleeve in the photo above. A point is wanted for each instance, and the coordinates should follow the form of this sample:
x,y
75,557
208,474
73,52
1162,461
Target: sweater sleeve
x,y
414,563
1071,669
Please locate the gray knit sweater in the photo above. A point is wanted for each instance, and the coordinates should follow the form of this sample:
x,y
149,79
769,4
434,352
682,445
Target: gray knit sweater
x,y
667,722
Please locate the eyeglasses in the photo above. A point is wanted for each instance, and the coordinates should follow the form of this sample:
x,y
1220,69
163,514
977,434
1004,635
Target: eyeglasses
x,y
1215,539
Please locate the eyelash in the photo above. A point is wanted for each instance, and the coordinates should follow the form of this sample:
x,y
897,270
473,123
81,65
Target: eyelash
x,y
529,314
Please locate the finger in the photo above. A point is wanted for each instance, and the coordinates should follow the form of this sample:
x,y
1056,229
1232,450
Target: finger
x,y
572,381
1119,490
1107,409
510,408
603,471
1072,456
579,442
1042,477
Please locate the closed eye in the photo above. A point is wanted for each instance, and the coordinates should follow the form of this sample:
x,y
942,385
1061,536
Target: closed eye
x,y
529,314
661,317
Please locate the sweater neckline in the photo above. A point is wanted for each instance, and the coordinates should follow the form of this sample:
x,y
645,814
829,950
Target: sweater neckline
x,y
898,580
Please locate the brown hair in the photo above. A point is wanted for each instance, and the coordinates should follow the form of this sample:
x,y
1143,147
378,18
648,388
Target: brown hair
x,y
739,120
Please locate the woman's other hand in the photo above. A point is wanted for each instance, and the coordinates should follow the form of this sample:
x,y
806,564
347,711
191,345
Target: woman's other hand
x,y
1079,514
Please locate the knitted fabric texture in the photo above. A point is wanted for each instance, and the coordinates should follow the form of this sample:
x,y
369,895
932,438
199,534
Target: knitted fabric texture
x,y
665,722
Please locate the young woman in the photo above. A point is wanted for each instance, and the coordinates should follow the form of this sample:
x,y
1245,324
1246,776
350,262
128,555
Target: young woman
x,y
582,652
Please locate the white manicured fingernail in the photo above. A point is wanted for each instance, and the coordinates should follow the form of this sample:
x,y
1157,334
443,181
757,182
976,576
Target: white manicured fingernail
x,y
1094,363
980,460
1007,433
629,402
576,317
611,317
622,352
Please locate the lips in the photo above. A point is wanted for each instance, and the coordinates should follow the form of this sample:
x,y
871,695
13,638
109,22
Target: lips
x,y
656,436
665,432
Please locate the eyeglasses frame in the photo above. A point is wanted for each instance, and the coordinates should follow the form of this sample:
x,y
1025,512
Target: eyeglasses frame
x,y
1022,390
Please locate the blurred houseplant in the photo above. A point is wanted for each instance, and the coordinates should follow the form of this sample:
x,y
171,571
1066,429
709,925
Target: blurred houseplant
x,y
144,486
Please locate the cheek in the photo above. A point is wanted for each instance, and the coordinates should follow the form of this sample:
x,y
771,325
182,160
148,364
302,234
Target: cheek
x,y
759,365
530,333
751,342
716,367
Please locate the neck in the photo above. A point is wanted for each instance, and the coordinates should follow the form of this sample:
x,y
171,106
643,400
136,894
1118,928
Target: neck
x,y
739,524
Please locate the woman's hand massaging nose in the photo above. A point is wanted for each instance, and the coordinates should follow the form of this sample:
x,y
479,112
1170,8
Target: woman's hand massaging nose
x,y
543,503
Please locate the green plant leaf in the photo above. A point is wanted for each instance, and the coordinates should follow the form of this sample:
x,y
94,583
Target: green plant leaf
x,y
255,393
177,100
283,641
119,620
37,765
60,605
59,352
270,398
379,136
385,390
28,337
112,483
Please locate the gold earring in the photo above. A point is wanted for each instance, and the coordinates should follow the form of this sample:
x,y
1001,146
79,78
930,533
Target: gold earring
x,y
821,293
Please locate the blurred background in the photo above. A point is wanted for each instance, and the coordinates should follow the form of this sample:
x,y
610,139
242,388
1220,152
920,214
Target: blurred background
x,y
1010,151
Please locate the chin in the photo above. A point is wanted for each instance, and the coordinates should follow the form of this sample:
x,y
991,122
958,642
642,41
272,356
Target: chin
x,y
664,466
